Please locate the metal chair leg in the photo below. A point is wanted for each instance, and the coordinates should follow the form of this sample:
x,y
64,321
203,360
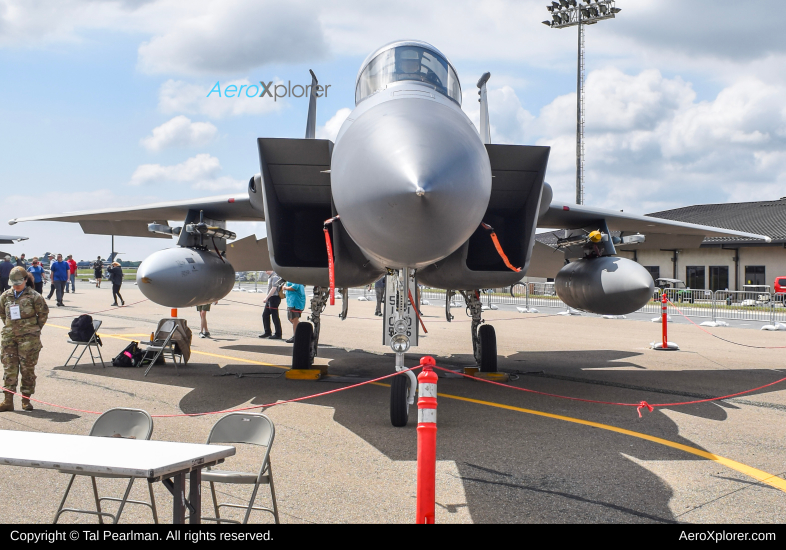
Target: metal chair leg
x,y
65,496
80,357
98,501
153,502
98,348
92,359
76,347
251,503
215,502
123,502
272,490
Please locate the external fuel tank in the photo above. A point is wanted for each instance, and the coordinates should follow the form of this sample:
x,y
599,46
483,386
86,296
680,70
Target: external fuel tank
x,y
185,277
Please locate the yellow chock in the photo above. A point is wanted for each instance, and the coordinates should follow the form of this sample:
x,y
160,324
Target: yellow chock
x,y
320,368
303,374
471,371
494,376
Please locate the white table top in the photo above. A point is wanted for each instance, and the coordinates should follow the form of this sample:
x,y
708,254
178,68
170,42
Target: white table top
x,y
105,455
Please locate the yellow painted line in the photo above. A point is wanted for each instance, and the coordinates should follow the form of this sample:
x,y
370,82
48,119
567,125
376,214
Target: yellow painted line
x,y
123,337
759,475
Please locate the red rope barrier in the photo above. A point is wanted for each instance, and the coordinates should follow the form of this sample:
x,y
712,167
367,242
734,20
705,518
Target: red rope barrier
x,y
295,400
100,311
718,337
640,405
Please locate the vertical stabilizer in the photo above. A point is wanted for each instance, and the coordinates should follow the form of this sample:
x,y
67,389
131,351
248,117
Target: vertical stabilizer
x,y
485,126
311,123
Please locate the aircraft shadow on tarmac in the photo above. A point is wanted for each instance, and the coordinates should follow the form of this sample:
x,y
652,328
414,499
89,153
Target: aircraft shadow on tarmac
x,y
514,467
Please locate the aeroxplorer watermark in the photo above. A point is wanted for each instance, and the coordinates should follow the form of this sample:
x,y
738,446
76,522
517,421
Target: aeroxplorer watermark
x,y
271,90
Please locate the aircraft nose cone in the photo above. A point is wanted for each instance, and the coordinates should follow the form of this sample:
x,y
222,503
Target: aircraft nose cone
x,y
411,181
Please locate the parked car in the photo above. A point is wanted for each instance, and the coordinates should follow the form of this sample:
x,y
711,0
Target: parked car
x,y
780,284
681,292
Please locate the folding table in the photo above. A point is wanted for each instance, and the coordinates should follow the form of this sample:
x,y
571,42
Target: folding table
x,y
164,461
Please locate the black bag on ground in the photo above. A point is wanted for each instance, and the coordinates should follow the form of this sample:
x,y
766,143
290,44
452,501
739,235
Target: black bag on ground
x,y
82,329
129,357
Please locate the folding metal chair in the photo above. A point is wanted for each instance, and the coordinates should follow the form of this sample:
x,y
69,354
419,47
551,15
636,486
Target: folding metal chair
x,y
127,423
92,343
251,429
162,342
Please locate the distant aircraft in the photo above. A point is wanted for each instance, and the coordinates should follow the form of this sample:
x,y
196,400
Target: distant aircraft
x,y
84,264
9,239
411,189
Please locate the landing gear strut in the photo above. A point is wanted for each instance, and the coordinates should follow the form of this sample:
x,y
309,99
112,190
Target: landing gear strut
x,y
484,338
403,386
306,343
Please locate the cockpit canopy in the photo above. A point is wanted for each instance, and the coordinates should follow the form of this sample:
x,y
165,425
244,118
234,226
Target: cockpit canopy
x,y
408,62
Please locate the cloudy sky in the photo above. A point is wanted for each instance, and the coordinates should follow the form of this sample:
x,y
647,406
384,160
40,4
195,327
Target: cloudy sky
x,y
103,103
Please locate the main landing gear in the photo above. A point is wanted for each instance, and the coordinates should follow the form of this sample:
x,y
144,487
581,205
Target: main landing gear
x,y
484,338
306,343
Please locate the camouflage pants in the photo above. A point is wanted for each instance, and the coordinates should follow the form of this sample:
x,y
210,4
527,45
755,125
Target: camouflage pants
x,y
20,353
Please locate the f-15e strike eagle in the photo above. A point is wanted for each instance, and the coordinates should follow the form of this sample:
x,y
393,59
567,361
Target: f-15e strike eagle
x,y
410,189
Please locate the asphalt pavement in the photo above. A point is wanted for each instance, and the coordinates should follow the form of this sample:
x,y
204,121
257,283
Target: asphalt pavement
x,y
504,455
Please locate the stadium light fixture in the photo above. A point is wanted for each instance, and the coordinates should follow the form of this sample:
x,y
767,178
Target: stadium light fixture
x,y
578,13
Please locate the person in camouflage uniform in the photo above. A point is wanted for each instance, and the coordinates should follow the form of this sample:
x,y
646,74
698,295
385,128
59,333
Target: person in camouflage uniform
x,y
23,312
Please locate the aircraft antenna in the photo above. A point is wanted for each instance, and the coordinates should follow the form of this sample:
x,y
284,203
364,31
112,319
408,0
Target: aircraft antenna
x,y
311,121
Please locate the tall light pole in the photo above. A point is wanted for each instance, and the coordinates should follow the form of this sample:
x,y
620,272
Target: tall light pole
x,y
573,13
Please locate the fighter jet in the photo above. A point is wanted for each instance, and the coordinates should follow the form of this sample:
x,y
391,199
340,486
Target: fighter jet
x,y
410,189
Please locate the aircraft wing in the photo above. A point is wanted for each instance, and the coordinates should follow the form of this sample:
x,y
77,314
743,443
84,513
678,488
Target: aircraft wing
x,y
659,232
132,221
11,239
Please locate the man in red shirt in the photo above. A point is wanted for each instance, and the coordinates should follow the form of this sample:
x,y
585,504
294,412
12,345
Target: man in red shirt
x,y
72,273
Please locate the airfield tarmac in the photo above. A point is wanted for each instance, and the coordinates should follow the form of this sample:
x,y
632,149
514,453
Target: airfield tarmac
x,y
504,456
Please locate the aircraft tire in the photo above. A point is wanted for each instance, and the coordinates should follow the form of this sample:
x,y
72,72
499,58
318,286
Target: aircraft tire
x,y
301,348
488,348
399,408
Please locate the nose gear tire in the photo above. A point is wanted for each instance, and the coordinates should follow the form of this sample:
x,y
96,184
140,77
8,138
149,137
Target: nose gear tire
x,y
399,408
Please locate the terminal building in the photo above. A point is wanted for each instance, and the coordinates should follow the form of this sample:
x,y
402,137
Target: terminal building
x,y
716,263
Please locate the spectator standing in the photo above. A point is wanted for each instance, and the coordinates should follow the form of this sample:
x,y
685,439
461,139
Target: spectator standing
x,y
71,273
379,288
296,303
272,301
20,261
59,270
98,268
203,309
5,270
38,276
116,278
23,314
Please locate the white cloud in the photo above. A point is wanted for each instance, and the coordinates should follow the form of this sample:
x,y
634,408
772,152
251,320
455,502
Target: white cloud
x,y
650,145
233,36
180,132
177,96
333,125
201,172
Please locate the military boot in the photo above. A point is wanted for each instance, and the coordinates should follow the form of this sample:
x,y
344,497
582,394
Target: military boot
x,y
26,404
8,404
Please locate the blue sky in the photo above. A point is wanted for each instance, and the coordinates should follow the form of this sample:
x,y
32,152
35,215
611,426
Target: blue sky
x,y
102,103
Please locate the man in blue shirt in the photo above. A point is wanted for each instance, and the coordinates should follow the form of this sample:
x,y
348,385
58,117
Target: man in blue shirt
x,y
296,303
38,275
60,271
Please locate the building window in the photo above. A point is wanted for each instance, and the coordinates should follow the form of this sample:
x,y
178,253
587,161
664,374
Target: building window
x,y
694,276
719,277
754,275
654,271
